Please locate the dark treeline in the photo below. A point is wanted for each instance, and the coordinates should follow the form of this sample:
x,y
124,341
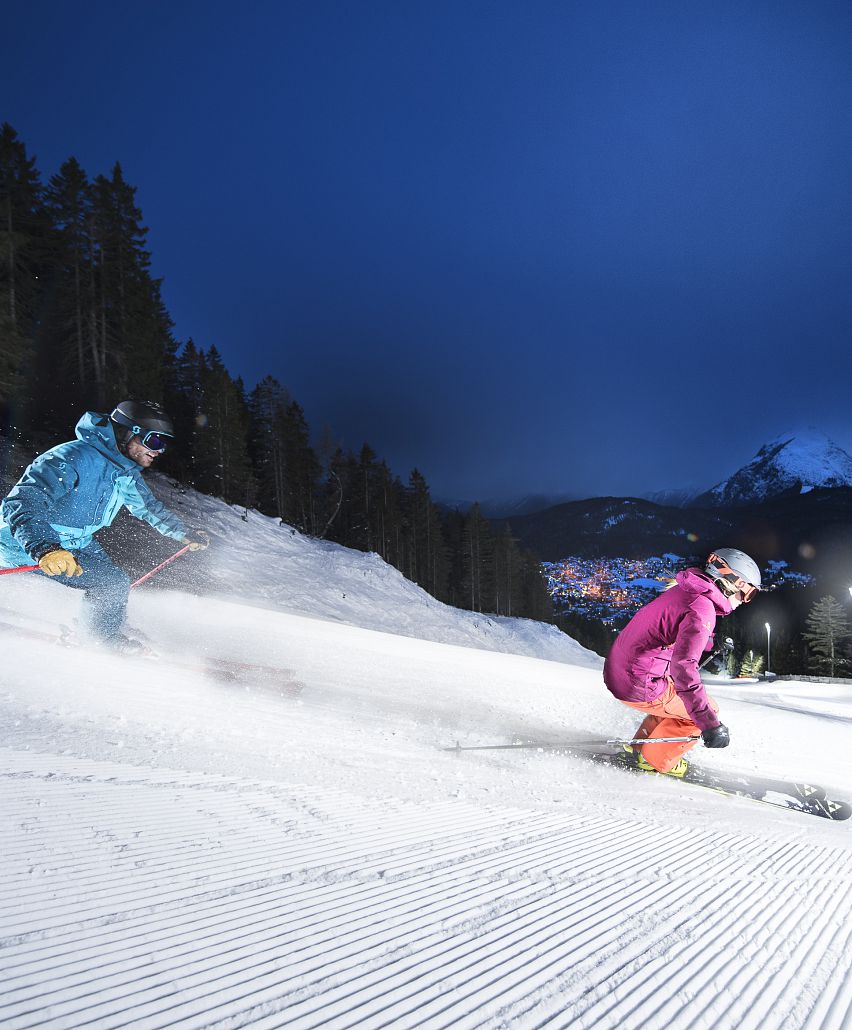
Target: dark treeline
x,y
83,324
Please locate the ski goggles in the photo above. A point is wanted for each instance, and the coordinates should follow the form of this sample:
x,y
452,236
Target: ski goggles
x,y
723,571
153,441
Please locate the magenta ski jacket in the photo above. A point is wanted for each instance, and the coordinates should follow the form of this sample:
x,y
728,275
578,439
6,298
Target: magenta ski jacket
x,y
666,638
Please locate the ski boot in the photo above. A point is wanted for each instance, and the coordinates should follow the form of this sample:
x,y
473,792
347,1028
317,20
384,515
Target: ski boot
x,y
130,646
678,771
640,762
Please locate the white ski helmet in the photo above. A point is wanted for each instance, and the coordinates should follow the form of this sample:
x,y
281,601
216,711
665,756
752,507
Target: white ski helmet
x,y
736,569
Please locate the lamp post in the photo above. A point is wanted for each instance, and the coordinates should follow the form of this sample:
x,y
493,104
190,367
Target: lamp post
x,y
768,630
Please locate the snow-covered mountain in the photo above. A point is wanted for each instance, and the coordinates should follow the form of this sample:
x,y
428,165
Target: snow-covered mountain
x,y
676,498
797,461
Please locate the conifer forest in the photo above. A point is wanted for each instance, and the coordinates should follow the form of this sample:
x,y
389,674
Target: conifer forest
x,y
83,325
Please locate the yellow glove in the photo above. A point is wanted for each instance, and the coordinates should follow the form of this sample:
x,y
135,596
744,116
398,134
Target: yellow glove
x,y
58,563
197,540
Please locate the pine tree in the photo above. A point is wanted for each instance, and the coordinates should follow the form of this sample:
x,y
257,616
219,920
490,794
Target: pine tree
x,y
184,400
478,562
425,559
535,602
457,593
510,574
23,237
347,525
221,451
752,664
268,403
363,499
366,503
302,469
69,202
426,550
437,573
330,493
129,332
382,495
827,634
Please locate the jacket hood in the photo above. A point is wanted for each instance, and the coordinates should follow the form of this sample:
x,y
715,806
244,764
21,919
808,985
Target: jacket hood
x,y
694,581
96,430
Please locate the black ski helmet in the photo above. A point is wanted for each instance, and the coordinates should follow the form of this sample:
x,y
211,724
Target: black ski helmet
x,y
139,418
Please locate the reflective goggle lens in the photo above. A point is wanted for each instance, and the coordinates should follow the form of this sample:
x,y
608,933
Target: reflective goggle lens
x,y
737,582
156,441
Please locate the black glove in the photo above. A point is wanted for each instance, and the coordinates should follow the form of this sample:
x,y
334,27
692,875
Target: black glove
x,y
716,736
196,540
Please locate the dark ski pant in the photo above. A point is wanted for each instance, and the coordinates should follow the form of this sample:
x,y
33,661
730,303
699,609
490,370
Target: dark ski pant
x,y
107,588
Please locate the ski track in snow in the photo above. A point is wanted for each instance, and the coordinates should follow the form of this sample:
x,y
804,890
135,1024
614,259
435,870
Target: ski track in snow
x,y
134,897
297,851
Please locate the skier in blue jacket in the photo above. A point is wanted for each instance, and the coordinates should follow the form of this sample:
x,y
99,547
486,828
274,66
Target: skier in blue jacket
x,y
71,491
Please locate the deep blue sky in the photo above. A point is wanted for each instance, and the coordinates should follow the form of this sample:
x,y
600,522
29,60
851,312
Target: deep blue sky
x,y
554,247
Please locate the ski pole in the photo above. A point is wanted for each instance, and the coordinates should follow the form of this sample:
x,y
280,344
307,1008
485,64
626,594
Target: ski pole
x,y
159,568
572,744
20,568
645,740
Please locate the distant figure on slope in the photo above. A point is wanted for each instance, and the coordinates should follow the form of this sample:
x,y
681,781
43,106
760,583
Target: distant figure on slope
x,y
653,663
71,491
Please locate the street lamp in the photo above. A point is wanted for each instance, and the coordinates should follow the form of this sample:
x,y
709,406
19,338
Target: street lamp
x,y
767,644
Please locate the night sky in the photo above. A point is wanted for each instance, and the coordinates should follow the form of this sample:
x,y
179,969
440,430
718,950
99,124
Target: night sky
x,y
575,248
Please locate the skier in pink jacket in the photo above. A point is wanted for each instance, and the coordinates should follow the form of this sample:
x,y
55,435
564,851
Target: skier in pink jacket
x,y
653,663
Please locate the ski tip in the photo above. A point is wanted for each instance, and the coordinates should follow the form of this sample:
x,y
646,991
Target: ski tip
x,y
837,811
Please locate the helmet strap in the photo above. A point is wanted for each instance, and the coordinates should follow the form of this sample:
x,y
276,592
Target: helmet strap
x,y
123,436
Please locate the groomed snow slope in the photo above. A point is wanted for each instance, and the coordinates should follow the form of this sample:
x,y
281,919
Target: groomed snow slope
x,y
295,849
257,560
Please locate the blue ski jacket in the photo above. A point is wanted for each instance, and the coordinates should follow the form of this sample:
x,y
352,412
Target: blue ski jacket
x,y
71,491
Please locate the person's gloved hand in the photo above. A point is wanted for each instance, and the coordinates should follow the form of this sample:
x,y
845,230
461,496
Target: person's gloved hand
x,y
59,563
716,736
196,540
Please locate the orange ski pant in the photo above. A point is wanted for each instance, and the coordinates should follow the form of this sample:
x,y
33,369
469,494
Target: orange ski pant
x,y
666,717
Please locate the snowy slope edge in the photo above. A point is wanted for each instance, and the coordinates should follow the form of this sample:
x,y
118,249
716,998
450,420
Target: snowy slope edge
x,y
256,559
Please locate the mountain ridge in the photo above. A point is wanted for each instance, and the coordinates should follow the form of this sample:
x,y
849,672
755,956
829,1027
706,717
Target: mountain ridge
x,y
793,462
810,529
